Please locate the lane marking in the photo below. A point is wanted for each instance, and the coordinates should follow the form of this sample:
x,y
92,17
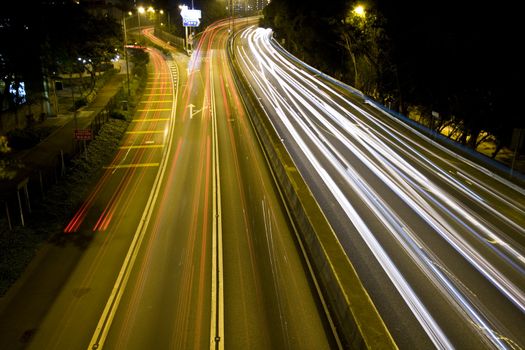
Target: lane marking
x,y
101,331
132,165
159,101
150,120
146,132
141,146
154,110
217,292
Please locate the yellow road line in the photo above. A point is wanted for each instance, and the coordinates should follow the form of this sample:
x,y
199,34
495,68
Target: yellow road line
x,y
136,165
157,94
141,146
154,110
159,101
145,132
150,120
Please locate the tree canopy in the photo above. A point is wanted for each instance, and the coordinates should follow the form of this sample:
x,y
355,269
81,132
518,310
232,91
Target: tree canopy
x,y
460,60
50,39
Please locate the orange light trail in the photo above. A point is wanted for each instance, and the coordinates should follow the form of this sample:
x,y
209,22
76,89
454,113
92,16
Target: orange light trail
x,y
102,222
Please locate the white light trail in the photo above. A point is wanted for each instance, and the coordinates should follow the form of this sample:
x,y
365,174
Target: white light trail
x,y
319,120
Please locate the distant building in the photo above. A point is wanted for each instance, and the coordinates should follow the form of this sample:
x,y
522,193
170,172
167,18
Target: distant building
x,y
260,4
247,6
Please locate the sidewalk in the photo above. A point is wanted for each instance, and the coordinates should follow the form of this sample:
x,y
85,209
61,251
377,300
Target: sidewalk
x,y
42,164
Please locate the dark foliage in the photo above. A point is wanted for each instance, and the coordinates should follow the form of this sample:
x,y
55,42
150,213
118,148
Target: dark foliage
x,y
20,139
49,38
461,60
49,215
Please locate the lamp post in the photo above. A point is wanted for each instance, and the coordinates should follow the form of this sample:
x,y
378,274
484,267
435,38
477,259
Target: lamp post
x,y
140,10
164,16
126,51
358,17
184,8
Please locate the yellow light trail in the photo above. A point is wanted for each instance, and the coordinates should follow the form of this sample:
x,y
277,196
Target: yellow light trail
x,y
146,132
154,110
136,165
150,120
141,146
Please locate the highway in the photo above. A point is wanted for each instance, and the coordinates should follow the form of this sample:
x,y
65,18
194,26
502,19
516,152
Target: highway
x,y
437,240
65,289
183,242
219,266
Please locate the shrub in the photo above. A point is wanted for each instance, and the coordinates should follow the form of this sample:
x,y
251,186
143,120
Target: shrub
x,y
117,115
20,139
80,102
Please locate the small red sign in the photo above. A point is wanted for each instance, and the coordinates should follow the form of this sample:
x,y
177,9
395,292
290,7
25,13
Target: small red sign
x,y
83,134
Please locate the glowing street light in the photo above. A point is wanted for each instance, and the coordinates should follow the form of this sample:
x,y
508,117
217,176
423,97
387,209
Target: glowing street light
x,y
359,11
140,10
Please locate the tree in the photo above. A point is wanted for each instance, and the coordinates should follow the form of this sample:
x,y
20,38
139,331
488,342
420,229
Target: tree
x,y
47,40
77,41
367,50
19,54
307,29
461,61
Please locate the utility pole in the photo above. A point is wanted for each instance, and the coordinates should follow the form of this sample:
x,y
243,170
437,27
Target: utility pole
x,y
126,52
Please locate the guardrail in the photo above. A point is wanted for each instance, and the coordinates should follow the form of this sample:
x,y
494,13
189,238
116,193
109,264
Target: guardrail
x,y
467,152
173,40
46,163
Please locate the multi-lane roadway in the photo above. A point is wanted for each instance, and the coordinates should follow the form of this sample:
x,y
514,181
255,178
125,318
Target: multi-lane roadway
x,y
437,240
183,242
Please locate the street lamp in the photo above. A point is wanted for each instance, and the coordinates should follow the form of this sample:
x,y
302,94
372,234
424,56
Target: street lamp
x,y
125,50
359,11
140,10
165,18
184,9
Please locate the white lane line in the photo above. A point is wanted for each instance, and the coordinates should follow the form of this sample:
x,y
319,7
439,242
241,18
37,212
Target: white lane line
x,y
217,296
104,323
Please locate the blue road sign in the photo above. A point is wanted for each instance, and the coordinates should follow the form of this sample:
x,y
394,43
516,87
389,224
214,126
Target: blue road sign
x,y
187,22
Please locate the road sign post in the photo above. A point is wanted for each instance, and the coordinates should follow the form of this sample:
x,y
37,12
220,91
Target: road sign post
x,y
190,18
84,135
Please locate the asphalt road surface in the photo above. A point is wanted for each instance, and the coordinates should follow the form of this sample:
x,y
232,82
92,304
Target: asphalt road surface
x,y
183,243
437,240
